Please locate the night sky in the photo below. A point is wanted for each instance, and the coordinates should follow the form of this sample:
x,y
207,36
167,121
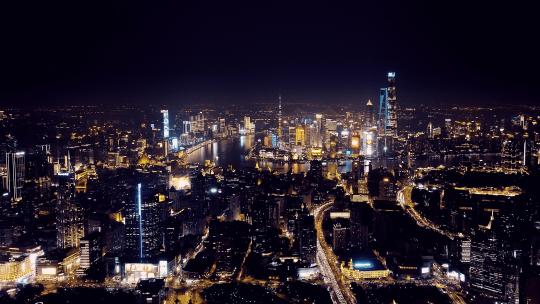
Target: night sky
x,y
83,52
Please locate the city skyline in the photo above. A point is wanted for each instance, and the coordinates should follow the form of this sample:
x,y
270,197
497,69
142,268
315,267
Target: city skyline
x,y
286,153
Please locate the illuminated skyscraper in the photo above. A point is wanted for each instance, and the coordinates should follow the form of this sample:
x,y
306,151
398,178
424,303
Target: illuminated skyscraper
x,y
279,131
222,127
165,123
142,225
292,135
392,104
15,170
249,127
69,215
91,248
369,142
388,113
300,137
198,123
370,114
186,127
495,267
430,129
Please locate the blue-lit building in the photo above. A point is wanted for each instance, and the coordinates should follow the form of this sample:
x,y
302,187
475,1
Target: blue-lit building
x,y
142,218
388,114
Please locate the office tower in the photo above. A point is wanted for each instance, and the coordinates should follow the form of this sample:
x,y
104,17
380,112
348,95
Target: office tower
x,y
307,241
368,143
198,123
165,123
448,127
292,136
222,127
143,237
249,127
330,127
186,127
430,130
514,153
300,138
91,251
16,170
384,130
388,113
392,104
465,250
494,270
320,129
69,216
315,135
382,185
340,240
279,130
359,223
370,114
355,143
247,123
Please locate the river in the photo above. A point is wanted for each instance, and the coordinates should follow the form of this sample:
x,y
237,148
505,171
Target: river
x,y
232,151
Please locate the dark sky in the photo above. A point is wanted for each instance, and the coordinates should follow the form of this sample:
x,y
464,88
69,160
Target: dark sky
x,y
87,52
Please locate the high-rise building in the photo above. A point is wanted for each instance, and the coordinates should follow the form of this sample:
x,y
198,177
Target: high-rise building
x,y
279,126
222,127
370,114
16,174
165,123
392,104
430,130
143,237
307,241
249,127
514,154
314,131
340,237
300,138
69,216
494,269
91,250
359,222
186,127
292,135
369,148
388,113
320,128
198,123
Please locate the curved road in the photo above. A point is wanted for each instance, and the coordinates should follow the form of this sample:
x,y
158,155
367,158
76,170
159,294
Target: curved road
x,y
327,261
405,201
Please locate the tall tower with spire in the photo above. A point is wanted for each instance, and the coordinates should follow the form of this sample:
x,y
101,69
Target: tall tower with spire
x,y
392,104
370,114
279,130
388,114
